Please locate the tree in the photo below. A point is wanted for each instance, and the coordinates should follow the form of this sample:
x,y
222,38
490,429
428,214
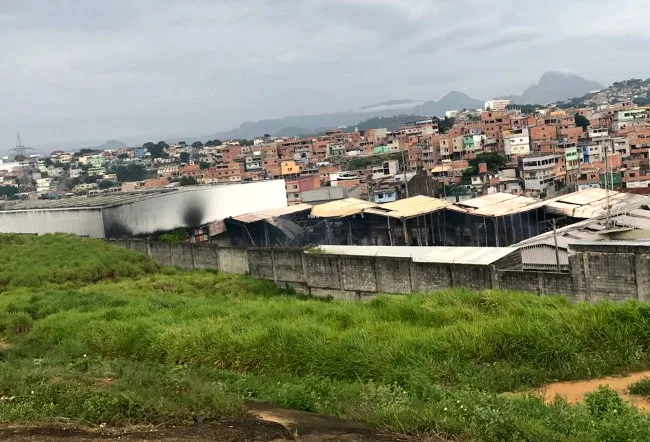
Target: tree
x,y
582,121
197,145
203,165
188,181
19,158
182,143
445,124
185,157
493,160
158,150
214,142
91,179
123,156
8,191
48,162
106,184
131,172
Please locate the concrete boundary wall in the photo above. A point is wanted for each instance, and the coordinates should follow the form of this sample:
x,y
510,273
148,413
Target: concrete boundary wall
x,y
597,271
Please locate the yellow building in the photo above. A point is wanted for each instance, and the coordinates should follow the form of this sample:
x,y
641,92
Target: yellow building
x,y
289,167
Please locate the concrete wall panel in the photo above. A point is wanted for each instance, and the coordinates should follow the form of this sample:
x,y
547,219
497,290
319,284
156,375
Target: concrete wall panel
x,y
233,260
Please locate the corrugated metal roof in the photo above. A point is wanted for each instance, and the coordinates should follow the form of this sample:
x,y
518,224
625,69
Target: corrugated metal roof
x,y
592,203
271,213
88,202
409,207
341,208
500,204
443,255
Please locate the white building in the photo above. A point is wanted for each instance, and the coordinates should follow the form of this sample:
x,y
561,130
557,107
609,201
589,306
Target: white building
x,y
538,171
141,213
43,184
516,142
496,104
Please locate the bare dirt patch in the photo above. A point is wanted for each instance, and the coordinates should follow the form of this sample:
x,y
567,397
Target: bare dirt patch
x,y
273,425
311,427
574,391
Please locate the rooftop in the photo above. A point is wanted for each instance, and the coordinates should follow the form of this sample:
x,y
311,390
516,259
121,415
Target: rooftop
x,y
409,207
592,203
87,202
341,208
266,215
500,204
442,255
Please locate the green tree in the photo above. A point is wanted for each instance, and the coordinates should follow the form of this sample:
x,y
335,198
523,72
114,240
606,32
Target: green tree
x,y
582,122
131,172
188,181
204,165
106,184
445,124
8,191
48,162
214,142
123,156
185,157
91,179
197,145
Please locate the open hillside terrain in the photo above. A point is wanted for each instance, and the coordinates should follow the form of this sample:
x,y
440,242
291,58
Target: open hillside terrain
x,y
101,339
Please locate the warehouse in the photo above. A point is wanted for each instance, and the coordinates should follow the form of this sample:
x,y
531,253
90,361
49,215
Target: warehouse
x,y
141,213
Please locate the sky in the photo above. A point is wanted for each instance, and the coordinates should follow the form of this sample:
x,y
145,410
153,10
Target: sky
x,y
75,70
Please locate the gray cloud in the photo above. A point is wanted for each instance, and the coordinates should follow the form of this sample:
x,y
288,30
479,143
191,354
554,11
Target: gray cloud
x,y
75,69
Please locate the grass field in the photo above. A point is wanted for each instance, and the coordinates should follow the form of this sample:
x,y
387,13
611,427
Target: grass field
x,y
99,334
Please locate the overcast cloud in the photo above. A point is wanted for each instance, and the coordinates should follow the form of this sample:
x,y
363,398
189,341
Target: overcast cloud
x,y
86,70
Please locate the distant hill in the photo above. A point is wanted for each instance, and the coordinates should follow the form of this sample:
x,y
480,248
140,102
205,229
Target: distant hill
x,y
309,124
390,123
556,86
454,100
388,103
110,144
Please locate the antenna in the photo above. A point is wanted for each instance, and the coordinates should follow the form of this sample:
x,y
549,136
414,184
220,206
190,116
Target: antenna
x,y
21,151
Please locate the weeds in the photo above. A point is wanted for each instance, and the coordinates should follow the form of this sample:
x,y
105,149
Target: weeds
x,y
123,341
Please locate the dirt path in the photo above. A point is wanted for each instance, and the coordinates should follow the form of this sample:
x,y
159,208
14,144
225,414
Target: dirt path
x,y
574,391
273,425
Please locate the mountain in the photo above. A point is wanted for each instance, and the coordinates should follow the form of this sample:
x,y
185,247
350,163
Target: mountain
x,y
305,124
454,100
109,145
556,86
391,103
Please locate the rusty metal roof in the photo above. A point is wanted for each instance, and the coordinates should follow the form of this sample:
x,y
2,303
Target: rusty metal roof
x,y
341,208
271,213
409,207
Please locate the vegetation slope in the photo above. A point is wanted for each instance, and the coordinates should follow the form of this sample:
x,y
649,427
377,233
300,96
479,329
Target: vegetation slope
x,y
99,334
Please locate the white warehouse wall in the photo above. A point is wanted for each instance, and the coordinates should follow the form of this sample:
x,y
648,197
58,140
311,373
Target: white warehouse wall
x,y
82,222
193,207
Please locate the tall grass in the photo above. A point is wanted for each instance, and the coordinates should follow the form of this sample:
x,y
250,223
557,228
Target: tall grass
x,y
33,261
177,343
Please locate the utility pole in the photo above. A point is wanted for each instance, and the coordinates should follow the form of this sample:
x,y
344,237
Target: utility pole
x,y
609,211
21,150
557,252
406,184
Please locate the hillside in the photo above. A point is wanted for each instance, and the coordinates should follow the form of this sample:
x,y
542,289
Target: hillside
x,y
633,90
93,334
555,86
